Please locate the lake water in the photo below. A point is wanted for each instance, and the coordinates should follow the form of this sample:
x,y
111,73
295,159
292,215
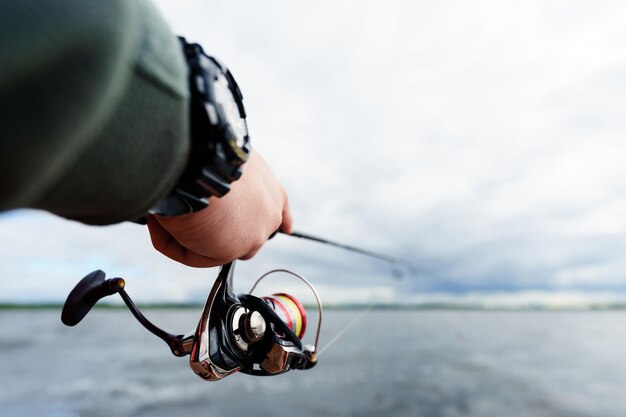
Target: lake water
x,y
417,363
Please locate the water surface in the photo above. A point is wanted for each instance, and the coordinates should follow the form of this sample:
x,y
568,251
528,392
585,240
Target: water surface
x,y
416,363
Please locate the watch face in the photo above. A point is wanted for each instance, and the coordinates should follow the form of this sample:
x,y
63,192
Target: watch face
x,y
225,98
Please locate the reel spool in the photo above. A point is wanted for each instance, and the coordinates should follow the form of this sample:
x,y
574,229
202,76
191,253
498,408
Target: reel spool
x,y
290,310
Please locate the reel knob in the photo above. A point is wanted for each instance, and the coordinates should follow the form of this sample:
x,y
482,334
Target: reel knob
x,y
86,294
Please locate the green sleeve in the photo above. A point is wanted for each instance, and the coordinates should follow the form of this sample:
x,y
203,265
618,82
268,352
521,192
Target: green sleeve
x,y
93,108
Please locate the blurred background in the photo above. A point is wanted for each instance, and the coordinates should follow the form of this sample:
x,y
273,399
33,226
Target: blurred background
x,y
481,140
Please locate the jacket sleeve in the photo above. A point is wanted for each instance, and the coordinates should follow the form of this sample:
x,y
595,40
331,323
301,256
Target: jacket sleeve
x,y
93,108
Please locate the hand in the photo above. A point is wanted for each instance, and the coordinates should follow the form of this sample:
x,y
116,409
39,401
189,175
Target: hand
x,y
232,227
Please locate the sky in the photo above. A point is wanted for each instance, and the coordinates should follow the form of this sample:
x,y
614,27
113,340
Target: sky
x,y
481,140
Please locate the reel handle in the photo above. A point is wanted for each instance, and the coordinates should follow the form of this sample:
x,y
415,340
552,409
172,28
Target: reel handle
x,y
86,294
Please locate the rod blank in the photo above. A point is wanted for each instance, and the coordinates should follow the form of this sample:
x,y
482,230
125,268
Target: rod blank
x,y
387,258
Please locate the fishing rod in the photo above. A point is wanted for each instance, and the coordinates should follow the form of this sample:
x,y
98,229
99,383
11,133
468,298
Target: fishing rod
x,y
255,335
387,258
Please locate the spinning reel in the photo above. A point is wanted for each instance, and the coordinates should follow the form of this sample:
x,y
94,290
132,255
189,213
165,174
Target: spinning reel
x,y
245,333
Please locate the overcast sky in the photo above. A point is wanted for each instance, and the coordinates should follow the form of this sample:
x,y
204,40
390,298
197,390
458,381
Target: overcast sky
x,y
483,140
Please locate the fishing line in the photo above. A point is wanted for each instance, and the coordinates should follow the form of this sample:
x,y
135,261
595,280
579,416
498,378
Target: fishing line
x,y
390,259
343,331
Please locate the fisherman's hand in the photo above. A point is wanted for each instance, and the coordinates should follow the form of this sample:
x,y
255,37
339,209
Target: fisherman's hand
x,y
232,227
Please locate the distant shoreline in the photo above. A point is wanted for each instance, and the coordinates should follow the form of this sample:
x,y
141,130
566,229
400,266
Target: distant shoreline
x,y
350,306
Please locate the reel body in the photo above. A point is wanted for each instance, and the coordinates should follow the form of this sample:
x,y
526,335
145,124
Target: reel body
x,y
235,333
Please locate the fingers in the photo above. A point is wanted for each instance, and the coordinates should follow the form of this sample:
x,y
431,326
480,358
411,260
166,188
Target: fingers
x,y
287,223
253,250
233,227
165,243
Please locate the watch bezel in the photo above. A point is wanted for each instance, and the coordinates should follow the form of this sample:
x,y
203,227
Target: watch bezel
x,y
214,111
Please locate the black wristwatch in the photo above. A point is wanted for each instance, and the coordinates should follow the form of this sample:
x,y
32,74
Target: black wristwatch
x,y
220,143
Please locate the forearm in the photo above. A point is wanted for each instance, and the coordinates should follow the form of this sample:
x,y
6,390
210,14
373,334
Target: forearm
x,y
93,108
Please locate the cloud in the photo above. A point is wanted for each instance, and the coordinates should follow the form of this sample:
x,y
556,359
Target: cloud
x,y
482,140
